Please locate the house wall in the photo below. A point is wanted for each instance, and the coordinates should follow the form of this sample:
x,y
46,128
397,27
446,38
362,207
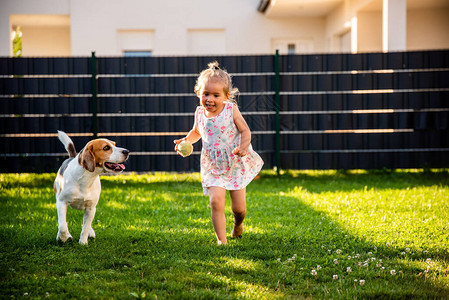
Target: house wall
x,y
428,29
46,41
11,7
339,24
245,30
96,26
177,27
369,32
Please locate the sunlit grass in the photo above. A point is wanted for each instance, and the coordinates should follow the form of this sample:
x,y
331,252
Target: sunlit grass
x,y
309,234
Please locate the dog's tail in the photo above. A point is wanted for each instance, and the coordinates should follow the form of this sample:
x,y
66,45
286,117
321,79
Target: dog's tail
x,y
68,144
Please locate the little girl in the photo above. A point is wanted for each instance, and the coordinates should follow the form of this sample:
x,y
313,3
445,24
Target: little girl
x,y
228,161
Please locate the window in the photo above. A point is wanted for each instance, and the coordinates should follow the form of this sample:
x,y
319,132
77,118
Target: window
x,y
135,42
291,49
292,46
133,53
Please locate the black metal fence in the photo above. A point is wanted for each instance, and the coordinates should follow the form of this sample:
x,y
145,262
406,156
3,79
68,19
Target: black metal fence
x,y
330,111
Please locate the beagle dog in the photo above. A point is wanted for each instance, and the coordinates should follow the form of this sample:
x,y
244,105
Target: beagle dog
x,y
78,184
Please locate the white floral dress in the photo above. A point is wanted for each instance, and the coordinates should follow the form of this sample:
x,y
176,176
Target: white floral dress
x,y
219,167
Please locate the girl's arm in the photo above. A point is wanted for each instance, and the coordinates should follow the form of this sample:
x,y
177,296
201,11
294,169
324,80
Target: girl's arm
x,y
193,136
245,133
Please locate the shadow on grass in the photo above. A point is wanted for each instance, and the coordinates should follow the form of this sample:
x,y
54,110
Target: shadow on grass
x,y
341,180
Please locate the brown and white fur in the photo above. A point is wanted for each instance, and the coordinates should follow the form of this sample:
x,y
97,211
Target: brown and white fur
x,y
78,182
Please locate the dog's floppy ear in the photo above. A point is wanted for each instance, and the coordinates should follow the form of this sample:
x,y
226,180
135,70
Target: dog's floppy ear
x,y
87,158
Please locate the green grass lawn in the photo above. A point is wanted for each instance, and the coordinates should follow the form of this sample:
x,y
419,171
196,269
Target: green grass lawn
x,y
311,234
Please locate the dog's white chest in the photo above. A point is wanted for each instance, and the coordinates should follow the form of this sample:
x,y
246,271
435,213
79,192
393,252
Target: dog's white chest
x,y
81,203
81,195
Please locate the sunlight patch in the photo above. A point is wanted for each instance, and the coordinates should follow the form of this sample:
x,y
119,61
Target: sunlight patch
x,y
202,221
245,289
49,205
242,265
255,230
117,205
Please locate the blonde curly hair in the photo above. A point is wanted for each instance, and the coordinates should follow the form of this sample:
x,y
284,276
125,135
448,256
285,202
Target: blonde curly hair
x,y
214,71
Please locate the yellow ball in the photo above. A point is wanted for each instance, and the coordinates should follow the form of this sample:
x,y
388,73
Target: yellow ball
x,y
185,148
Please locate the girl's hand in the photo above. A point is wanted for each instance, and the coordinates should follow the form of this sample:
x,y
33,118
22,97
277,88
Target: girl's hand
x,y
239,152
177,142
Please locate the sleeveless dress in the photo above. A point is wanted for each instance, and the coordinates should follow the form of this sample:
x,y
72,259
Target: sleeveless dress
x,y
219,167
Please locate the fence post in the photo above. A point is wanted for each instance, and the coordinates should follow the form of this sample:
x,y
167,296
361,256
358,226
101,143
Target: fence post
x,y
277,101
93,69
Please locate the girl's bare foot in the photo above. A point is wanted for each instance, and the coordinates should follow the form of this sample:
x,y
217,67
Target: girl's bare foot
x,y
237,231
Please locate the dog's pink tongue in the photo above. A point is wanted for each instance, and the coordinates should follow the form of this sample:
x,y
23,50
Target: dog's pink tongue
x,y
116,167
119,167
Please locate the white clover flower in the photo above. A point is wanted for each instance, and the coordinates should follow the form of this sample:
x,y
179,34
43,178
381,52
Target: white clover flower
x,y
362,281
429,260
335,277
279,259
336,261
355,280
349,269
314,272
402,253
407,249
393,272
370,253
357,255
349,257
318,267
338,251
330,251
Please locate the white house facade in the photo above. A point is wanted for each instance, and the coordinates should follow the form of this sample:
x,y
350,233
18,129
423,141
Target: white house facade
x,y
221,27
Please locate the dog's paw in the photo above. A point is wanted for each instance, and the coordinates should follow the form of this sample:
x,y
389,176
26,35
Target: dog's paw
x,y
91,234
64,237
83,241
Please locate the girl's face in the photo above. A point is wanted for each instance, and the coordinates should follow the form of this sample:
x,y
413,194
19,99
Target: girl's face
x,y
212,96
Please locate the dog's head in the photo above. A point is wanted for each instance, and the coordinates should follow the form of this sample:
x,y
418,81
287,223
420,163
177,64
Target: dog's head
x,y
103,153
